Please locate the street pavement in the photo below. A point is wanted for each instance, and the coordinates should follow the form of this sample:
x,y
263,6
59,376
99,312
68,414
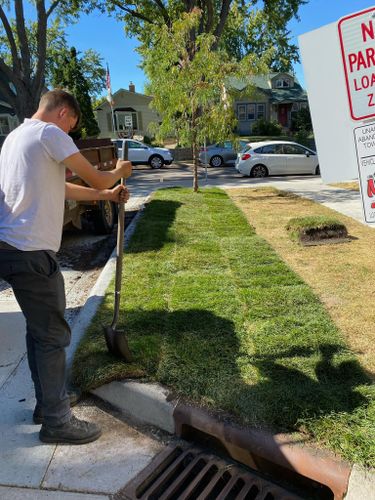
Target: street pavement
x,y
30,469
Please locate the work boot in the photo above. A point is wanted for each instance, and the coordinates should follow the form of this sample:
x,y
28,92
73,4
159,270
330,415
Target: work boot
x,y
74,397
74,432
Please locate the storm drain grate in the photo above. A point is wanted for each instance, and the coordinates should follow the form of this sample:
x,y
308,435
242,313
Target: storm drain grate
x,y
192,474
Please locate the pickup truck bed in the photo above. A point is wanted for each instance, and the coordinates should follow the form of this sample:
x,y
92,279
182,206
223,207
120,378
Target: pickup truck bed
x,y
101,153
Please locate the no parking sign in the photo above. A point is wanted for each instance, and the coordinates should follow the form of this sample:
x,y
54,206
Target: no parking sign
x,y
357,40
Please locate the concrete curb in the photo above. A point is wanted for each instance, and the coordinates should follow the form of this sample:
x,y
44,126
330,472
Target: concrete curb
x,y
151,404
147,403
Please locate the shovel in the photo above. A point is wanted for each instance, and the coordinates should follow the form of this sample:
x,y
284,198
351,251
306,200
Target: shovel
x,y
116,340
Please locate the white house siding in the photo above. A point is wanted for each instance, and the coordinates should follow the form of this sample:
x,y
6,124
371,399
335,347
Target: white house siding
x,y
126,99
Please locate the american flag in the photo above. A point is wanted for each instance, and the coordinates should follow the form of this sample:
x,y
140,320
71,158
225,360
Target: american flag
x,y
108,85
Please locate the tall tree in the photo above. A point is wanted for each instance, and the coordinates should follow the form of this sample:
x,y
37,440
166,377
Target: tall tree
x,y
256,30
238,26
22,73
68,73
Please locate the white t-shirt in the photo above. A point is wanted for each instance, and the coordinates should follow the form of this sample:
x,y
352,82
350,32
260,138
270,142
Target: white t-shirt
x,y
32,185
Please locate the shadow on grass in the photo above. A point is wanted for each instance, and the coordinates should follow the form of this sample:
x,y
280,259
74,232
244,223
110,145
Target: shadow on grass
x,y
154,232
332,387
198,355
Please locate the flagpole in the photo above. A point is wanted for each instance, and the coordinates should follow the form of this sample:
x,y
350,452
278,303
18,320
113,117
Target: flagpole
x,y
113,120
110,99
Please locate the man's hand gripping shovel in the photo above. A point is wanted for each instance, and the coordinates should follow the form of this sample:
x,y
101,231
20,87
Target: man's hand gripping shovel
x,y
116,340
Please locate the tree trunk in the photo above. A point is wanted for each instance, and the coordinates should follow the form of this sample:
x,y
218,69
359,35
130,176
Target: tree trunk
x,y
195,153
26,103
195,168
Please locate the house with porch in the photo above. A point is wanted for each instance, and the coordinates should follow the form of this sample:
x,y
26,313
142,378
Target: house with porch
x,y
272,97
130,114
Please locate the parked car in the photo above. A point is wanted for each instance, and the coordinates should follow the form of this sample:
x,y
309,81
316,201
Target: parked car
x,y
142,154
218,154
277,158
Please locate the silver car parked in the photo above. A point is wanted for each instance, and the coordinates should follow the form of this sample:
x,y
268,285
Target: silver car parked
x,y
142,154
277,158
221,153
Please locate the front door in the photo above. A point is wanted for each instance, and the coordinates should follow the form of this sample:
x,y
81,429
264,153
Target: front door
x,y
283,114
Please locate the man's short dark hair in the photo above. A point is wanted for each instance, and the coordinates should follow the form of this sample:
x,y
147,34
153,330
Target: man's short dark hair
x,y
58,97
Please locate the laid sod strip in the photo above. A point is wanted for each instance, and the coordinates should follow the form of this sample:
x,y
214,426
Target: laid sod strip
x,y
212,311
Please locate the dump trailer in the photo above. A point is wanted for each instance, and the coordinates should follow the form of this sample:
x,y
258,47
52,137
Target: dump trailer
x,y
101,153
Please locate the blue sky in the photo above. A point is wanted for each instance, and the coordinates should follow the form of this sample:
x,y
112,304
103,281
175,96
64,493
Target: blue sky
x,y
107,36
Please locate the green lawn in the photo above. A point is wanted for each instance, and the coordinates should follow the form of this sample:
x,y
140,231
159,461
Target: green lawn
x,y
211,311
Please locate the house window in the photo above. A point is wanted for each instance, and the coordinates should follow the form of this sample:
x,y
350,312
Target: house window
x,y
250,111
295,107
4,125
126,120
135,121
241,112
283,83
261,111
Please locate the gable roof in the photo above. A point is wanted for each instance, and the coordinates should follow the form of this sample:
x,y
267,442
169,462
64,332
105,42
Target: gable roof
x,y
264,83
123,91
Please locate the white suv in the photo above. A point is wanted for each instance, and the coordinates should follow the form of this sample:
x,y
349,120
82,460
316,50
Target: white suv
x,y
142,154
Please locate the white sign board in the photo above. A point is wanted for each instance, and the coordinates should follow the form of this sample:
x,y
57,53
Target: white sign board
x,y
339,65
328,102
357,41
128,122
364,137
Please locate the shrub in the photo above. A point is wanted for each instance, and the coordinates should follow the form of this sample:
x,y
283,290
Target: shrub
x,y
147,140
264,127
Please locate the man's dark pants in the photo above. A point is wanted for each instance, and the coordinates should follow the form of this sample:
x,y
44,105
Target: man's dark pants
x,y
38,286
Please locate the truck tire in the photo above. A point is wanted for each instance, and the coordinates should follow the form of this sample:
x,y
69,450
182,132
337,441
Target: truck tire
x,y
104,218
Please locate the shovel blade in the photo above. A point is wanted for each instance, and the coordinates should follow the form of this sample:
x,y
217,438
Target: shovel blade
x,y
117,344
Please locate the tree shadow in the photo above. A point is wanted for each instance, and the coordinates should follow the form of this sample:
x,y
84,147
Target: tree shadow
x,y
331,388
199,355
154,232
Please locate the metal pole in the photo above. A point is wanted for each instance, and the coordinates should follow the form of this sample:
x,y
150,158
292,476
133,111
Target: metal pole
x,y
113,120
205,157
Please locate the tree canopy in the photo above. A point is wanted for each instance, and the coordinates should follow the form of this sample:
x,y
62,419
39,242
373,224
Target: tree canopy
x,y
68,73
24,47
240,27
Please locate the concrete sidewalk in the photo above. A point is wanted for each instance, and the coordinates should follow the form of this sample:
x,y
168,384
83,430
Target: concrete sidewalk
x,y
30,469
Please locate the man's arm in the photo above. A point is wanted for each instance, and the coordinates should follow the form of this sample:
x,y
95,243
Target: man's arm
x,y
98,179
83,193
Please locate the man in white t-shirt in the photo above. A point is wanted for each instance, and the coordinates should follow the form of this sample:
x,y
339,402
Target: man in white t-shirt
x,y
32,192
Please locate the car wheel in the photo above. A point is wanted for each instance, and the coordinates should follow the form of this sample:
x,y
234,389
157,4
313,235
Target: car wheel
x,y
216,161
317,170
259,171
104,218
156,161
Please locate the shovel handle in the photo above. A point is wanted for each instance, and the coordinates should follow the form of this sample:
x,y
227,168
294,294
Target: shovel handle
x,y
120,249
